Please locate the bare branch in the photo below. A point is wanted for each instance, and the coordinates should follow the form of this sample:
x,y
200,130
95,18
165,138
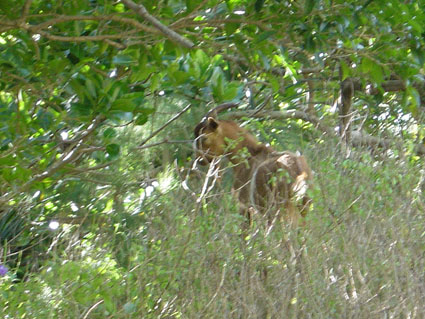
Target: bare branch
x,y
26,9
290,114
166,141
387,86
358,138
172,35
85,37
117,45
219,108
72,155
92,168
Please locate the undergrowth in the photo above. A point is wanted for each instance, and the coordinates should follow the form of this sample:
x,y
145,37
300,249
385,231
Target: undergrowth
x,y
163,253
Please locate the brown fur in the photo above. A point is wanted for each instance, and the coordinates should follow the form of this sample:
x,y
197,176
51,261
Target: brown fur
x,y
274,184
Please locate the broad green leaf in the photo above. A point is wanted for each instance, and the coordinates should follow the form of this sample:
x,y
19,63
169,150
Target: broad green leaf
x,y
259,5
81,109
91,89
109,133
231,91
231,27
345,70
123,104
143,73
217,83
113,149
201,57
377,73
414,100
141,119
155,82
142,109
180,77
367,65
78,88
123,60
373,69
274,82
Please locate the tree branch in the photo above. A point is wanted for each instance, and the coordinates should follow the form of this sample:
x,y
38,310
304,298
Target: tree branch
x,y
172,35
290,114
74,152
358,138
26,9
61,19
85,37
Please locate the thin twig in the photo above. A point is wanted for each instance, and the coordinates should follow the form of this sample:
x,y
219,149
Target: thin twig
x,y
266,101
175,117
223,276
60,19
166,141
92,308
72,155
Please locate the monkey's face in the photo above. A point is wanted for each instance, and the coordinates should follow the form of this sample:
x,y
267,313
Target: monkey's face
x,y
209,141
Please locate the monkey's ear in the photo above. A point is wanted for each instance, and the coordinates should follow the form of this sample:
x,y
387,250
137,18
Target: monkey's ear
x,y
212,123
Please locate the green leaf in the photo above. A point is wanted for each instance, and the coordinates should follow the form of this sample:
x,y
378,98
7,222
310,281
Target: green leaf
x,y
180,77
264,36
7,160
217,83
125,105
259,5
155,82
141,109
80,109
367,65
201,57
78,88
123,60
377,73
372,68
91,88
141,119
231,91
274,82
109,133
113,149
142,74
414,100
190,5
345,70
231,27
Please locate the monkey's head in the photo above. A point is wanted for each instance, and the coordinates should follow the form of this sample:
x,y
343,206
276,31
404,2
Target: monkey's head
x,y
209,140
